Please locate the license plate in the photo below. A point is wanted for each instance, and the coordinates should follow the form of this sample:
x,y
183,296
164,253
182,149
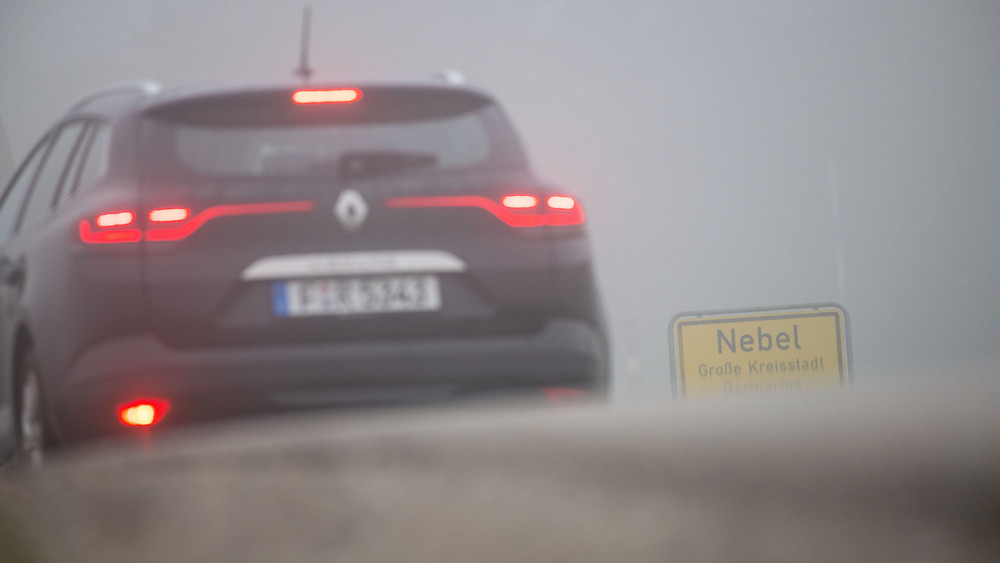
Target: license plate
x,y
353,296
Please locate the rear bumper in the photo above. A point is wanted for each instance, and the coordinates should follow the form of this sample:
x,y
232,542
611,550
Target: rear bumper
x,y
206,383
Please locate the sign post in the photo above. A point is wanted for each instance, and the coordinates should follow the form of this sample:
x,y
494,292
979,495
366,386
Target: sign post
x,y
753,351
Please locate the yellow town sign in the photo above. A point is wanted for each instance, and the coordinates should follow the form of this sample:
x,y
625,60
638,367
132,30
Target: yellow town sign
x,y
760,351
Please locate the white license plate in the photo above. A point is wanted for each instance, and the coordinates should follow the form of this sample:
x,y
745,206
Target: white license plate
x,y
352,296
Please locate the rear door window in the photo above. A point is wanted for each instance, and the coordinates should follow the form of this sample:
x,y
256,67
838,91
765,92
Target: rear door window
x,y
90,161
53,172
13,198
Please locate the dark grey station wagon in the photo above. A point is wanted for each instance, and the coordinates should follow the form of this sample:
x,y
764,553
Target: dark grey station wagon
x,y
175,256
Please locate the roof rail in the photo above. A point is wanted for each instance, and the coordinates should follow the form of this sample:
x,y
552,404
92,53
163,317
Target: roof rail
x,y
449,76
145,87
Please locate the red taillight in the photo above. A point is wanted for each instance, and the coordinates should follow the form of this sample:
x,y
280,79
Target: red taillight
x,y
114,227
169,214
143,412
184,229
564,202
338,96
174,223
119,219
516,210
519,201
563,210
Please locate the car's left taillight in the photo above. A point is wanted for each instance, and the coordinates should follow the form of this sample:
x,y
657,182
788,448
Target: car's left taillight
x,y
112,227
172,223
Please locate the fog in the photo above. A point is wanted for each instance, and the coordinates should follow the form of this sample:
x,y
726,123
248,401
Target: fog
x,y
729,154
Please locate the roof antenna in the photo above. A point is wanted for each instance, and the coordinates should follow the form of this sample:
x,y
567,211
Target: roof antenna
x,y
304,72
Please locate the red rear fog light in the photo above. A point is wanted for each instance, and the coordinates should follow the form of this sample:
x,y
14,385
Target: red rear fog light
x,y
143,412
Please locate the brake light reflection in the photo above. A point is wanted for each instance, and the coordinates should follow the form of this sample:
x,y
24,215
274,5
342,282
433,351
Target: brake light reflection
x,y
561,396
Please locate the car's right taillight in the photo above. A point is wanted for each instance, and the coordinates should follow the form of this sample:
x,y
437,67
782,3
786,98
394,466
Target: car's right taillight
x,y
563,210
516,209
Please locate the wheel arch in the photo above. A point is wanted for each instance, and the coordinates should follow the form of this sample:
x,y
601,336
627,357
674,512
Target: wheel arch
x,y
23,344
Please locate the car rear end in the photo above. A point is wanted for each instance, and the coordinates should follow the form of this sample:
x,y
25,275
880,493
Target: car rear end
x,y
339,247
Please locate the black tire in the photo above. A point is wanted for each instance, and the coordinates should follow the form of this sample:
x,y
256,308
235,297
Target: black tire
x,y
33,435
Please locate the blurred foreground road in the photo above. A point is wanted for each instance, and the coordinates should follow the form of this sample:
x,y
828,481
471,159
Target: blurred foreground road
x,y
888,474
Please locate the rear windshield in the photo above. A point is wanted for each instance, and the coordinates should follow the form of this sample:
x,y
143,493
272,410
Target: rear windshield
x,y
386,132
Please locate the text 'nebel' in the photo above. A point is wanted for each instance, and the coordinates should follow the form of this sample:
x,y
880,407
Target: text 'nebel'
x,y
762,342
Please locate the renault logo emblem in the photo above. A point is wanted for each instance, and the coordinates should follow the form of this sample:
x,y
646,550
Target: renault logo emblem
x,y
351,210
